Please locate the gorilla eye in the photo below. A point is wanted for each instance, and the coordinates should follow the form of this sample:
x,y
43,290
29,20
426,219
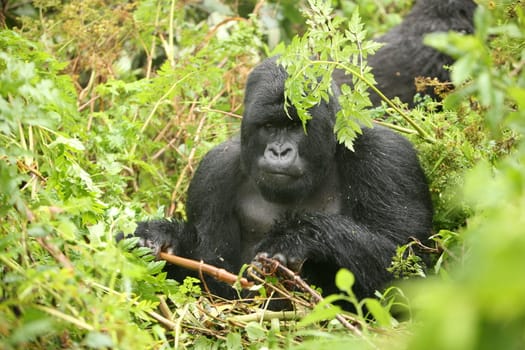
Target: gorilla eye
x,y
269,127
293,126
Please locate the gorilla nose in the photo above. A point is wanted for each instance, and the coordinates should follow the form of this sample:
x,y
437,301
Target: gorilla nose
x,y
280,152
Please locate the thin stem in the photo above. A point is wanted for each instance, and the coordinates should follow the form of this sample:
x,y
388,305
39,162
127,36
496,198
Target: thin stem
x,y
395,127
405,116
68,318
160,100
171,44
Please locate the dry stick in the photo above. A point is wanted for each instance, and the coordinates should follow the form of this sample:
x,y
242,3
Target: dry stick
x,y
267,315
229,114
225,276
189,161
196,140
305,287
55,252
255,274
29,169
165,321
215,272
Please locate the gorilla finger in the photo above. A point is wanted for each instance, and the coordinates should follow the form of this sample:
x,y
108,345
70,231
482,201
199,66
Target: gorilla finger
x,y
121,235
281,258
295,264
153,245
263,255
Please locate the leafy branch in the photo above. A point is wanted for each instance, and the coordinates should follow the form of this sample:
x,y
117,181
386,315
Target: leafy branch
x,y
371,85
310,61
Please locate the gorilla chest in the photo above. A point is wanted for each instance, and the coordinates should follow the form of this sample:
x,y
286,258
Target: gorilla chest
x,y
257,215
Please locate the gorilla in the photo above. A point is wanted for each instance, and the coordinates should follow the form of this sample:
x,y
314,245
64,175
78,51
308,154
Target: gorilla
x,y
299,195
404,56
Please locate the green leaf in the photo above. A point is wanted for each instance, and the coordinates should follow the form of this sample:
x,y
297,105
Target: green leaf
x,y
344,280
30,330
70,143
462,70
98,340
255,331
380,314
233,341
321,312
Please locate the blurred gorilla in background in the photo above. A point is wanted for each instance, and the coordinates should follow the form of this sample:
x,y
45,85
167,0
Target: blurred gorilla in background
x,y
404,56
301,197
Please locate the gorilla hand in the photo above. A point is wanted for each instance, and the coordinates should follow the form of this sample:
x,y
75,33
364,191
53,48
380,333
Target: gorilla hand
x,y
292,241
292,262
161,235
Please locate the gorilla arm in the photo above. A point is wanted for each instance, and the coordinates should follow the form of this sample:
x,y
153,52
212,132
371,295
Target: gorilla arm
x,y
211,206
211,232
321,244
384,202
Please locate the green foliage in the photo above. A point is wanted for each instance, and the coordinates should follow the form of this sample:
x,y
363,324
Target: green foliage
x,y
368,311
379,16
333,42
481,305
310,62
104,120
462,140
406,263
56,264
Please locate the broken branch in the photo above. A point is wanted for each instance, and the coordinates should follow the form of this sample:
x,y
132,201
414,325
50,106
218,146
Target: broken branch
x,y
210,270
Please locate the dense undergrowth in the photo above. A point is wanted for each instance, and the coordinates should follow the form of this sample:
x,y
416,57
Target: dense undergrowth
x,y
105,110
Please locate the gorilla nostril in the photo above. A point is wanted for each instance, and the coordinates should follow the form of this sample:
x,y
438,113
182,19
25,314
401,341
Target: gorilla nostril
x,y
274,152
279,151
286,151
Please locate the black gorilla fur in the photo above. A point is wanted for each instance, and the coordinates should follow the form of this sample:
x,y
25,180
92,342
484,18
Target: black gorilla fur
x,y
303,196
404,56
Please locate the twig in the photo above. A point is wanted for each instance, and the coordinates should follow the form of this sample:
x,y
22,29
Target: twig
x,y
266,315
402,113
164,308
33,171
225,276
166,322
255,274
395,127
306,288
229,114
210,270
55,252
178,325
65,317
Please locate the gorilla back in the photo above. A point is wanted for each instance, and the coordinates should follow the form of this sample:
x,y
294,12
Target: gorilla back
x,y
301,197
404,57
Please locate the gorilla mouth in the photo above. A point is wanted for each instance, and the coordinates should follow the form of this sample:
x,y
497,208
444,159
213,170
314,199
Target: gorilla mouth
x,y
279,179
282,175
290,171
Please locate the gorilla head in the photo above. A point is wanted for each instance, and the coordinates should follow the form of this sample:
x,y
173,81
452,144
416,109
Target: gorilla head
x,y
430,16
286,161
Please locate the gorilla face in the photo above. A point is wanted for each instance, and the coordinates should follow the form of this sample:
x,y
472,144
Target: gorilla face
x,y
285,161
